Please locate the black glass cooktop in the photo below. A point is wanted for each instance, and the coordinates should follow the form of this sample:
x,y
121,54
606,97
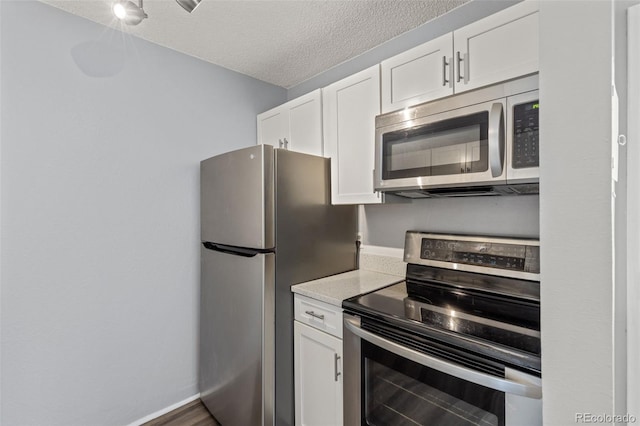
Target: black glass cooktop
x,y
459,316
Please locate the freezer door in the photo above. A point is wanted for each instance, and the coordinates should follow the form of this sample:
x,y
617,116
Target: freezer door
x,y
237,337
236,198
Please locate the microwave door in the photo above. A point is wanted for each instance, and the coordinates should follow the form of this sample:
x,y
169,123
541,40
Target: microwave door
x,y
464,147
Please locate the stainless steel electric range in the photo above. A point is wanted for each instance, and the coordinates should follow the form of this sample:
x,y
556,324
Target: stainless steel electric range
x,y
456,343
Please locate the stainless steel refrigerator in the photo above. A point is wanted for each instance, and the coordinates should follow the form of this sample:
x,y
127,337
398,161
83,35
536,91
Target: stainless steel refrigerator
x,y
267,223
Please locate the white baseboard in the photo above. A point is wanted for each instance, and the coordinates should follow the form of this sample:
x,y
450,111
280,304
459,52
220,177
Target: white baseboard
x,y
397,253
164,411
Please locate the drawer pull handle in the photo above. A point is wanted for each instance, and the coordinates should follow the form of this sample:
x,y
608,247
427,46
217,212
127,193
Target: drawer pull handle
x,y
313,314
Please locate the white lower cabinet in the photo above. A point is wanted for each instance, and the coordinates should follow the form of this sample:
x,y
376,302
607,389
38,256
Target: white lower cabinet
x,y
318,376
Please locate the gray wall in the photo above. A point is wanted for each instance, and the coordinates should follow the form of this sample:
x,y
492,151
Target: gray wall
x,y
621,226
385,225
100,214
576,219
633,211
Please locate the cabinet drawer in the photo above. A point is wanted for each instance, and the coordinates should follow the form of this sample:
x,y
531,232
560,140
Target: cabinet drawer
x,y
317,314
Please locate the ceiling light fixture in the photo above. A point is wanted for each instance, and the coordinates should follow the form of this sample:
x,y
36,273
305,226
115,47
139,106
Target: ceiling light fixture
x,y
189,5
128,12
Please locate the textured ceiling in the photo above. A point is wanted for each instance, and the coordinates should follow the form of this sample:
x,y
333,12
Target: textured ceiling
x,y
280,42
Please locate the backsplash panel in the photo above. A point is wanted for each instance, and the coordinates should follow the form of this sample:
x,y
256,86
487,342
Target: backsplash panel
x,y
385,225
380,263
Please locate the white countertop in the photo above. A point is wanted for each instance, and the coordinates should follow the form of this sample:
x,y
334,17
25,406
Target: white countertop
x,y
336,288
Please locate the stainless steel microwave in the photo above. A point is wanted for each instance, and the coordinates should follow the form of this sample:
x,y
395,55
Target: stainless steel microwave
x,y
483,142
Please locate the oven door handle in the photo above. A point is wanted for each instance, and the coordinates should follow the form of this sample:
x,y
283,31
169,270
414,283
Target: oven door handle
x,y
503,385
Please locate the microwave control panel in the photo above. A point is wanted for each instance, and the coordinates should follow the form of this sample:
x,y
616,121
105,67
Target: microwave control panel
x,y
525,135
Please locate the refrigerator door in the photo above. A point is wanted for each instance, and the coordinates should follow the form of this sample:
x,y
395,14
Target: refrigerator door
x,y
237,337
236,198
314,239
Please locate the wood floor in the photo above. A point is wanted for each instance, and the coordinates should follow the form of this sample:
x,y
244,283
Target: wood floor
x,y
191,414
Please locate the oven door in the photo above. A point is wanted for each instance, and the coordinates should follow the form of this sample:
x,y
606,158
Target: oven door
x,y
463,147
387,383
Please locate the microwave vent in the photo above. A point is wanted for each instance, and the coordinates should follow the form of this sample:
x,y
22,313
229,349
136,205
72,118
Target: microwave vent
x,y
413,194
471,191
525,189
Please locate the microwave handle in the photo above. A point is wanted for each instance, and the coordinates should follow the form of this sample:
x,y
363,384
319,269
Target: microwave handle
x,y
496,139
497,383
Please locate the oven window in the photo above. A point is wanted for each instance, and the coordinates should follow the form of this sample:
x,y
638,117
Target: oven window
x,y
454,146
398,392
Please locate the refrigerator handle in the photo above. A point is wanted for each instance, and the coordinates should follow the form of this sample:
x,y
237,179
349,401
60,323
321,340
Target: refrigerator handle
x,y
236,251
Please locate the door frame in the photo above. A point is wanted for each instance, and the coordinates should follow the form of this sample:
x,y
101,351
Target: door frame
x,y
633,212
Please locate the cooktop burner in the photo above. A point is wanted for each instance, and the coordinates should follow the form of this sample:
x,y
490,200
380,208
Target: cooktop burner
x,y
459,292
458,319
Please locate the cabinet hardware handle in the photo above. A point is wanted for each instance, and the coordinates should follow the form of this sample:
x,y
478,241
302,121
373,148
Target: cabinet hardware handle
x,y
280,143
313,314
286,143
373,172
459,60
336,358
444,71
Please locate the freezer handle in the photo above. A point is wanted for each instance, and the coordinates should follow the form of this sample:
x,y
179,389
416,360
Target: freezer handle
x,y
236,251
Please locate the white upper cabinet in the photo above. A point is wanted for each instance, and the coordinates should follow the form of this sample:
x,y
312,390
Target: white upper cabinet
x,y
295,125
418,75
273,126
494,49
350,107
497,48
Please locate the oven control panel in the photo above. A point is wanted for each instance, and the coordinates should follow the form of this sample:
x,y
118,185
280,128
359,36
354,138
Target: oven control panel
x,y
489,253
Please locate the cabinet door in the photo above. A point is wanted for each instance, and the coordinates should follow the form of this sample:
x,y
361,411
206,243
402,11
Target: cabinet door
x,y
418,75
350,107
318,377
273,126
497,48
305,124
